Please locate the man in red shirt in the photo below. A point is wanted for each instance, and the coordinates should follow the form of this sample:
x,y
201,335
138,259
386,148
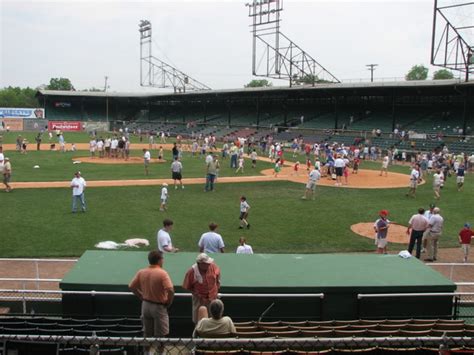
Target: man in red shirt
x,y
154,288
203,280
465,236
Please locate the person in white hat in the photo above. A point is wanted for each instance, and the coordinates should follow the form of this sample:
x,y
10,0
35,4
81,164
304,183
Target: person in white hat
x,y
164,197
203,280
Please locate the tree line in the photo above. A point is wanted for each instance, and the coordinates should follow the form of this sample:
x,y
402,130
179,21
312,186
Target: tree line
x,y
25,97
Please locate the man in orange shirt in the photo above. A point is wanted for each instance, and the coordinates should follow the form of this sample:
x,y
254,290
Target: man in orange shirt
x,y
203,280
154,288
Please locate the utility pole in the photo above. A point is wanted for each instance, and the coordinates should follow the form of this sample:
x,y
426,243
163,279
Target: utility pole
x,y
105,86
371,67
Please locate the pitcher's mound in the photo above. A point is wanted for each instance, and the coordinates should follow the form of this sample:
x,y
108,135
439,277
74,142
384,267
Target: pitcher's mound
x,y
365,179
396,232
131,160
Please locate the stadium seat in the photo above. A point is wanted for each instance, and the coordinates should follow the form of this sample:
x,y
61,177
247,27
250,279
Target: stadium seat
x,y
340,327
449,326
414,333
296,324
346,322
350,332
320,323
284,333
363,326
218,336
278,328
8,330
270,324
125,333
418,327
258,334
52,331
389,327
244,324
328,333
396,321
89,332
368,321
252,328
382,333
446,332
217,352
424,321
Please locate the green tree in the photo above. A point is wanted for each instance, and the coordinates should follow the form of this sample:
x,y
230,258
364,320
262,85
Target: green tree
x,y
417,72
443,74
94,89
258,83
310,79
18,97
60,84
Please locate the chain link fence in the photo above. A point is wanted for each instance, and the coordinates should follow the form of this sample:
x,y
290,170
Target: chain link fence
x,y
175,346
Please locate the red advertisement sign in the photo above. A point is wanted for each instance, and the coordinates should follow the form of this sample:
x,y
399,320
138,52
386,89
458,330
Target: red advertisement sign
x,y
65,125
12,124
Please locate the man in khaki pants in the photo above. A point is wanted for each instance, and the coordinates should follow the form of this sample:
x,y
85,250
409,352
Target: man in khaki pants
x,y
435,229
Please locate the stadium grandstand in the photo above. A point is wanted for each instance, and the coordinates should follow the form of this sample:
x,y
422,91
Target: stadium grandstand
x,y
430,113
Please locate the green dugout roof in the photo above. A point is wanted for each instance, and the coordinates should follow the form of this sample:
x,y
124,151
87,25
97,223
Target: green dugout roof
x,y
267,273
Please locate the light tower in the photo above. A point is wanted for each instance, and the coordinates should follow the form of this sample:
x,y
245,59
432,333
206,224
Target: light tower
x,y
274,55
156,73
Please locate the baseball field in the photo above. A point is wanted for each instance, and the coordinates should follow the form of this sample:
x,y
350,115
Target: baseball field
x,y
37,221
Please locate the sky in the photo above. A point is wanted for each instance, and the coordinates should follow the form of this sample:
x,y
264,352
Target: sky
x,y
209,40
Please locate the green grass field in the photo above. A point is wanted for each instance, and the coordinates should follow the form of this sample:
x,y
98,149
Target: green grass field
x,y
38,222
57,166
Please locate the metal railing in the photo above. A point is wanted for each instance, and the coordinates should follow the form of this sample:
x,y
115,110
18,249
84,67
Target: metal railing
x,y
452,267
463,302
24,296
37,272
184,294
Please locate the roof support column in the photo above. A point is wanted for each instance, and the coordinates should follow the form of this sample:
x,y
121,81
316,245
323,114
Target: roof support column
x,y
258,111
229,104
466,110
393,111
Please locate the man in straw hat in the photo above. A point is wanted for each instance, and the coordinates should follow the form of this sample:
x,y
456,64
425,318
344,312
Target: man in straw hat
x,y
203,280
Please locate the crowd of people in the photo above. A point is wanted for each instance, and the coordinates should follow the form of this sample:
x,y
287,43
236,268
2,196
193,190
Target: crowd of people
x,y
424,230
115,147
441,165
209,242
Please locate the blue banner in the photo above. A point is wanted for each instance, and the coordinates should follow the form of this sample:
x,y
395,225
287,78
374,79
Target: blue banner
x,y
12,112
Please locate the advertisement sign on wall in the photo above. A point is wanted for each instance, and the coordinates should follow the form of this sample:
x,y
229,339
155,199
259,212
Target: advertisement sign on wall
x,y
12,124
96,126
35,125
13,112
65,125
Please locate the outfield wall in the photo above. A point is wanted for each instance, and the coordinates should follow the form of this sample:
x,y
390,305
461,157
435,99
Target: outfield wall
x,y
27,124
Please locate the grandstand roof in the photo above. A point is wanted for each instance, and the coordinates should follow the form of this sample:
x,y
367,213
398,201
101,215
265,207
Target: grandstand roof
x,y
275,89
